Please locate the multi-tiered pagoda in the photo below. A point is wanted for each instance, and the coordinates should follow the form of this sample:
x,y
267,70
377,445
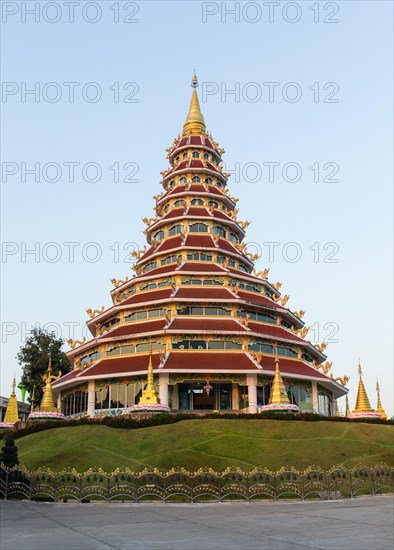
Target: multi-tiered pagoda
x,y
211,325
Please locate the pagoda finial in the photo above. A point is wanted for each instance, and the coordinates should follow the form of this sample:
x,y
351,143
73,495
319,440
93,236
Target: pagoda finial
x,y
194,124
362,401
379,407
278,391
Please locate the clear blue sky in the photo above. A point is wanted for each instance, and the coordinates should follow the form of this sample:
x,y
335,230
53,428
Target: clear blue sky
x,y
159,53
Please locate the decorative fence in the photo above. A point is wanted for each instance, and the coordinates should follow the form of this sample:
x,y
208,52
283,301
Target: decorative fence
x,y
201,486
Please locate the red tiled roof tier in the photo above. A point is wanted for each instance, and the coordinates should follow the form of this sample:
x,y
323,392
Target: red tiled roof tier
x,y
199,240
203,267
209,361
66,378
258,299
134,329
228,247
160,270
290,367
168,244
211,293
199,212
150,296
206,325
121,365
176,213
273,330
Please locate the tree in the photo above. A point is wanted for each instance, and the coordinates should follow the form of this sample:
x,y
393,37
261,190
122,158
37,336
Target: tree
x,y
9,453
34,356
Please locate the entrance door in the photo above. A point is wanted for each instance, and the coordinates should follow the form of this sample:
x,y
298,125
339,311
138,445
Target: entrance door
x,y
201,400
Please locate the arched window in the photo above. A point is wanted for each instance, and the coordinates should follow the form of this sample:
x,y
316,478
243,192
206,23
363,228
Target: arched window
x,y
185,155
209,181
177,159
196,155
219,184
180,202
206,156
183,180
197,202
196,179
218,230
175,229
233,238
158,236
213,204
198,228
172,183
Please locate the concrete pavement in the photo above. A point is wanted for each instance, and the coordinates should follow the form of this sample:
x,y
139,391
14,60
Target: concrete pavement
x,y
363,524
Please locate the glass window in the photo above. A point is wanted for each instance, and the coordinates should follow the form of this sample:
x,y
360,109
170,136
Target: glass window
x,y
218,230
183,180
180,203
233,238
213,204
197,202
196,179
206,156
196,155
158,236
209,181
185,155
175,229
198,228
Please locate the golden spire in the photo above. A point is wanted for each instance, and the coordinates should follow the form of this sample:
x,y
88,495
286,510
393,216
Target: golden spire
x,y
379,408
149,394
11,413
362,401
32,398
278,391
47,403
347,405
194,124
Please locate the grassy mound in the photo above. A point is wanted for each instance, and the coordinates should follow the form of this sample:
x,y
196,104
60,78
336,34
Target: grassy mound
x,y
210,443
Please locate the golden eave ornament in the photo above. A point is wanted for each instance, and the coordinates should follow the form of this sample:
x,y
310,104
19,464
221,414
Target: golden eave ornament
x,y
194,124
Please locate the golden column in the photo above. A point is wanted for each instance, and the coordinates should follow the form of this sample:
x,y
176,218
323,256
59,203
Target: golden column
x,y
11,413
379,408
362,401
47,403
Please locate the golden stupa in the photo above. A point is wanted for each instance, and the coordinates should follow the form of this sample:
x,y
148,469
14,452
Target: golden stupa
x,y
149,394
47,410
379,408
279,400
363,407
11,413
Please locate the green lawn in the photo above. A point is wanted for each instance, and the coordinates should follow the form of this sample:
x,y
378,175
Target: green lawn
x,y
210,443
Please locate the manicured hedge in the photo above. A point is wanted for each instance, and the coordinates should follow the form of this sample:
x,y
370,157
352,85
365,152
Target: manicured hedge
x,y
158,419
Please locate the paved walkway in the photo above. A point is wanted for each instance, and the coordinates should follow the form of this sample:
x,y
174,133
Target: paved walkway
x,y
362,524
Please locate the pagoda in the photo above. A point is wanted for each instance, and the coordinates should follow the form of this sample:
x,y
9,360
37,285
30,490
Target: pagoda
x,y
47,410
195,309
11,416
379,407
363,407
279,400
